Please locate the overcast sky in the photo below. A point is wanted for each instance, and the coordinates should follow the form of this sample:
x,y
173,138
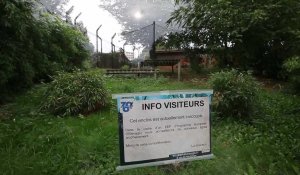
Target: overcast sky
x,y
134,14
92,16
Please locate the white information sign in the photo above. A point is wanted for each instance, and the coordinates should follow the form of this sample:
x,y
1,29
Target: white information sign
x,y
164,127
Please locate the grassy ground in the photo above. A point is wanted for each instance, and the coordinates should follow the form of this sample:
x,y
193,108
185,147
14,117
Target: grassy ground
x,y
36,143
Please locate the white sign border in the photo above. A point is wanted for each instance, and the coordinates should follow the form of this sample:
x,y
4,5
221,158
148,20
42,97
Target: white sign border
x,y
165,162
171,92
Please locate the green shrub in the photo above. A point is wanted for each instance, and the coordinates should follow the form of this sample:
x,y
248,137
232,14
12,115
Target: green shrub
x,y
75,93
235,93
292,66
125,67
34,45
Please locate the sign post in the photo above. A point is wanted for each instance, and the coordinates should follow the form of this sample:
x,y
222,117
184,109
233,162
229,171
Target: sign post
x,y
164,127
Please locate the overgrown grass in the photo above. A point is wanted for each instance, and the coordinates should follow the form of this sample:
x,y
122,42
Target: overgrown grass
x,y
36,143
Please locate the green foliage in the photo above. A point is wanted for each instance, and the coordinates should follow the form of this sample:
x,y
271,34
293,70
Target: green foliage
x,y
67,46
76,93
125,67
34,45
15,22
235,93
292,66
33,143
250,34
194,57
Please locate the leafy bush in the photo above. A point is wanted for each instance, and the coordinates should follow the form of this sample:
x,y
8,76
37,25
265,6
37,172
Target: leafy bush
x,y
292,66
35,45
76,93
235,93
125,67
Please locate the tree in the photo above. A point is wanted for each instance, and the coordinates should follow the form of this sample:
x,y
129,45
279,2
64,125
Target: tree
x,y
251,34
53,6
33,47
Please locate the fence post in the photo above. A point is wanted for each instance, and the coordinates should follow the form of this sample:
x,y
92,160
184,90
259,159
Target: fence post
x,y
179,70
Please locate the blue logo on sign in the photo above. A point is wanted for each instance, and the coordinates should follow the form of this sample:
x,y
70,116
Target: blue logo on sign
x,y
126,106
